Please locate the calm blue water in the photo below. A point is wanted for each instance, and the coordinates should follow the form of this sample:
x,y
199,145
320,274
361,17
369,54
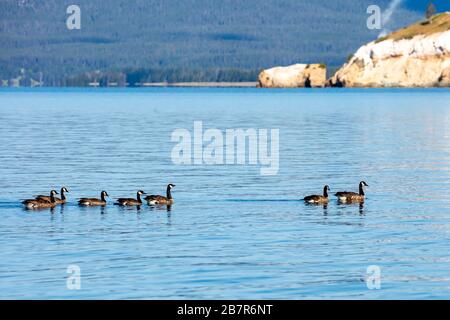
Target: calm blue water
x,y
232,233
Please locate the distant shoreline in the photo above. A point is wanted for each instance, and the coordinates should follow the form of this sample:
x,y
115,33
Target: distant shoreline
x,y
201,84
218,85
243,84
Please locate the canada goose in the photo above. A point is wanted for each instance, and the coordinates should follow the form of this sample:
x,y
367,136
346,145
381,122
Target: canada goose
x,y
57,200
318,199
131,201
160,200
91,202
353,196
41,204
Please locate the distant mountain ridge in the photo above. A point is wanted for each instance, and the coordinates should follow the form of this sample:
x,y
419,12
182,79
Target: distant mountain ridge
x,y
208,38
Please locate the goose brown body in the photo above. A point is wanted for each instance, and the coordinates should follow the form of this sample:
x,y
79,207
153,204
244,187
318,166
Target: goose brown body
x,y
32,204
57,200
161,200
130,201
92,202
345,196
317,199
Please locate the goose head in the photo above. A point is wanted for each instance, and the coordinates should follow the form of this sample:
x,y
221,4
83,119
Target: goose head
x,y
363,184
64,189
325,190
105,194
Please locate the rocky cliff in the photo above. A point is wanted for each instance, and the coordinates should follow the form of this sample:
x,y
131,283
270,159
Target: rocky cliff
x,y
295,76
416,56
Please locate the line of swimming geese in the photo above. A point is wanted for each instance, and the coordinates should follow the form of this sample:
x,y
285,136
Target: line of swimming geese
x,y
343,196
43,202
51,201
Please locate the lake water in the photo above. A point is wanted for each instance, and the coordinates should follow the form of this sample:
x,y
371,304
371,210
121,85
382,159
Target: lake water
x,y
232,232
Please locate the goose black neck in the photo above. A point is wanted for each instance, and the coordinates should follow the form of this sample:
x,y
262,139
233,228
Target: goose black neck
x,y
361,189
102,196
52,197
63,196
139,197
168,193
325,192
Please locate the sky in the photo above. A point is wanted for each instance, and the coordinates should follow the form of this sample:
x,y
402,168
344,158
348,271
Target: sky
x,y
420,5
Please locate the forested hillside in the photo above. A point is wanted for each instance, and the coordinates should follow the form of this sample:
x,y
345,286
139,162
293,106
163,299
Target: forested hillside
x,y
179,40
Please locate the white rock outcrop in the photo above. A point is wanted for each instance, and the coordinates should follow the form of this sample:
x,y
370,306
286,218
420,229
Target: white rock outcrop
x,y
421,61
295,76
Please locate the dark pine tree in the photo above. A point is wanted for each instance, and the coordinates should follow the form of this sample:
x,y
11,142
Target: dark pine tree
x,y
431,10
